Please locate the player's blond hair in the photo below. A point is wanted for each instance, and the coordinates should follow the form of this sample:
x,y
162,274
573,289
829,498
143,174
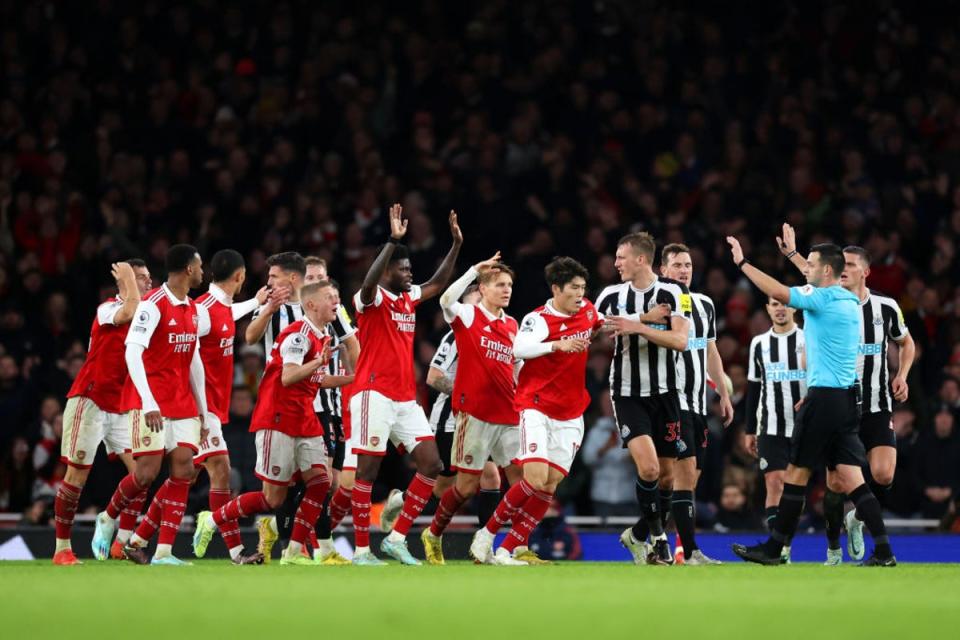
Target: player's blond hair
x,y
641,242
490,275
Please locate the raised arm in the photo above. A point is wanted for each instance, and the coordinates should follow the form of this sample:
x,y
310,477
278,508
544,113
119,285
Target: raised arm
x,y
261,319
398,229
439,280
788,247
450,300
127,287
531,340
767,284
240,309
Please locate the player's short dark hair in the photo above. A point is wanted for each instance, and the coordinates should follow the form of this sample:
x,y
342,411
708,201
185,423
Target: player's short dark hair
x,y
289,261
860,252
313,288
563,270
641,242
334,283
831,255
225,263
179,257
671,250
137,263
473,288
489,276
400,252
309,261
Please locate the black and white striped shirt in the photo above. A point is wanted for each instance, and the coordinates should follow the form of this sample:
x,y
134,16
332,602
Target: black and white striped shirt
x,y
776,362
692,365
638,368
882,322
329,400
282,317
445,359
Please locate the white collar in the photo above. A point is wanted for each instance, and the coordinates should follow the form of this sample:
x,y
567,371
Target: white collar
x,y
220,295
174,300
313,327
552,310
490,316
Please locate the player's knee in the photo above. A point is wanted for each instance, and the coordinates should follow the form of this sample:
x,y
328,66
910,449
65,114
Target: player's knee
x,y
219,472
468,484
146,476
431,467
883,474
274,500
649,471
490,478
835,484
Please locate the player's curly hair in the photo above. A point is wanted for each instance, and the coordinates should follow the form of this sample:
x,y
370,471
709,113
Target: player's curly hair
x,y
563,270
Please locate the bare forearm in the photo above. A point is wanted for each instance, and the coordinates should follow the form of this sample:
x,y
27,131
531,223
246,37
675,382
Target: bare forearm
x,y
715,369
908,351
798,262
329,382
258,327
442,384
768,284
368,290
292,374
443,274
669,339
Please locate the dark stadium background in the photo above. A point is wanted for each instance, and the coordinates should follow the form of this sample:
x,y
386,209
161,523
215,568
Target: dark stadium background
x,y
551,127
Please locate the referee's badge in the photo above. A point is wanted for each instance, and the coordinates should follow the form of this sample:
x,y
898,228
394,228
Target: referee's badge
x,y
763,464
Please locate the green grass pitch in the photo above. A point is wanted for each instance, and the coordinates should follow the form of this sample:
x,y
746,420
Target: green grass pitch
x,y
216,600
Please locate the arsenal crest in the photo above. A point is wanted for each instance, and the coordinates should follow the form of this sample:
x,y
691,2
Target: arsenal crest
x,y
468,459
81,454
533,447
275,470
146,441
216,442
590,316
375,440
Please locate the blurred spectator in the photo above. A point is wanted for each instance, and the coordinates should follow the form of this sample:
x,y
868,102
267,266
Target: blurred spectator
x,y
734,514
16,476
904,496
612,486
554,539
938,459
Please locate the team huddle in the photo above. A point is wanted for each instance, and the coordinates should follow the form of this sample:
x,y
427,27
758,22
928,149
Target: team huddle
x,y
158,379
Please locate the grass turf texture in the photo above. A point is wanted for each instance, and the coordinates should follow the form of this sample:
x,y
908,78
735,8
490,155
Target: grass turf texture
x,y
581,600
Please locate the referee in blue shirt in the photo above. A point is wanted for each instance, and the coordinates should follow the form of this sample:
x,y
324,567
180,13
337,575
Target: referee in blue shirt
x,y
827,425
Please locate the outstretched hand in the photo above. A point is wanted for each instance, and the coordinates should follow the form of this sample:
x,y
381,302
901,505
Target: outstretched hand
x,y
788,241
735,249
488,264
398,226
455,228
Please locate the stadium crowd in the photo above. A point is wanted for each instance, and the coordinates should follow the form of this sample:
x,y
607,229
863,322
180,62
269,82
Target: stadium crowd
x,y
551,128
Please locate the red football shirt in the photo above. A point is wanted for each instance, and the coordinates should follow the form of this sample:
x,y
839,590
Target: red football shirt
x,y
484,386
216,351
167,328
104,371
555,383
290,409
386,328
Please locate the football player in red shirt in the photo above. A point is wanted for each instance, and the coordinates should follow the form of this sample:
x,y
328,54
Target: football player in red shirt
x,y
93,413
483,392
551,398
383,405
289,435
166,401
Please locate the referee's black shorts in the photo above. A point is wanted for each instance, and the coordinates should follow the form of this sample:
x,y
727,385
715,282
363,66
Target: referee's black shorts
x,y
655,416
876,430
333,438
693,437
827,430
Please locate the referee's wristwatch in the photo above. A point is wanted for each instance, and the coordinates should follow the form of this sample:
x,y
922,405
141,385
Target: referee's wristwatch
x,y
741,264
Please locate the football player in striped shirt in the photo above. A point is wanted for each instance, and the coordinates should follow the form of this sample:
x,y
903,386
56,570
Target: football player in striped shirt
x,y
650,317
777,380
699,363
93,412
